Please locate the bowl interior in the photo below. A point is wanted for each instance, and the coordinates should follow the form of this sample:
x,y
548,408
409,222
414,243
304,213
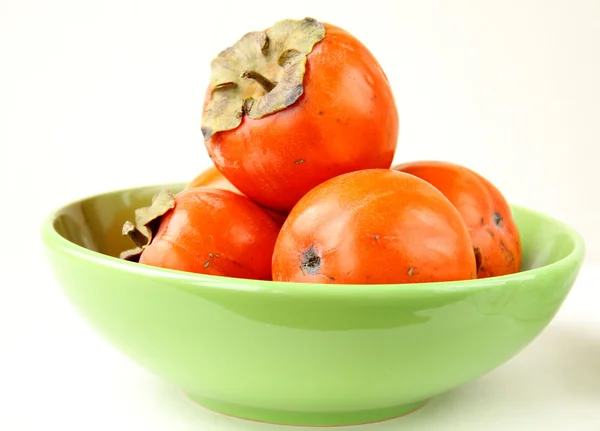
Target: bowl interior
x,y
95,224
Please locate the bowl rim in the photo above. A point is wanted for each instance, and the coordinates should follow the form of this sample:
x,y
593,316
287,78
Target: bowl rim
x,y
194,281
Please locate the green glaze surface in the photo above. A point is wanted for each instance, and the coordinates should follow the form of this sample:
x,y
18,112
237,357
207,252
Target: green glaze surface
x,y
299,353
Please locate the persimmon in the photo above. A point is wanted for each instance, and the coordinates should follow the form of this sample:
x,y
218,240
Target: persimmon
x,y
374,226
211,177
484,209
292,106
204,230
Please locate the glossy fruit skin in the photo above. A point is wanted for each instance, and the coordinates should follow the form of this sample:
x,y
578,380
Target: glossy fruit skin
x,y
211,177
484,209
374,226
345,120
217,232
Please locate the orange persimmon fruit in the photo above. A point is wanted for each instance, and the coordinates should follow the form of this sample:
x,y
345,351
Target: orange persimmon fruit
x,y
211,231
292,106
211,177
483,208
374,226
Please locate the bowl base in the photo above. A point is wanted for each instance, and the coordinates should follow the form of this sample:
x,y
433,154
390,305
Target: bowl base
x,y
300,418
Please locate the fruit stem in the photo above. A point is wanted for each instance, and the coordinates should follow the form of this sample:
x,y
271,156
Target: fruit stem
x,y
260,79
135,235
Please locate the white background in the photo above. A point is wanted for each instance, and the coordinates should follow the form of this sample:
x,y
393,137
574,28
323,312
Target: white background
x,y
103,95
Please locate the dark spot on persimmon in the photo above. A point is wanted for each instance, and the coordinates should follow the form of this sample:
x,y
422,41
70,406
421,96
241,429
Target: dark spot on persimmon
x,y
491,233
321,112
299,161
478,260
498,219
411,270
310,261
481,221
211,255
509,254
375,236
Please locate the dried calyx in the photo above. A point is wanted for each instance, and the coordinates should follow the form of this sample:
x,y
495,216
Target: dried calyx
x,y
147,221
310,261
260,74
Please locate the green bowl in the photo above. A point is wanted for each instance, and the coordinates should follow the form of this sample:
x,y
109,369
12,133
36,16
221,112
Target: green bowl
x,y
304,354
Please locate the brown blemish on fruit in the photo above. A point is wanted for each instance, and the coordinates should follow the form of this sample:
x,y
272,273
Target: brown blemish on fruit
x,y
498,219
310,262
509,254
210,256
478,260
411,270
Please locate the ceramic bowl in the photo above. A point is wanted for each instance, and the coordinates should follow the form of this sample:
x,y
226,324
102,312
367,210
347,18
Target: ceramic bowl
x,y
304,354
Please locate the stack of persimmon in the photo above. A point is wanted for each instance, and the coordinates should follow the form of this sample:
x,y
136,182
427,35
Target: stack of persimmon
x,y
302,128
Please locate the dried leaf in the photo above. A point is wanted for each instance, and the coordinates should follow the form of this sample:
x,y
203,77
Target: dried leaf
x,y
278,55
147,221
